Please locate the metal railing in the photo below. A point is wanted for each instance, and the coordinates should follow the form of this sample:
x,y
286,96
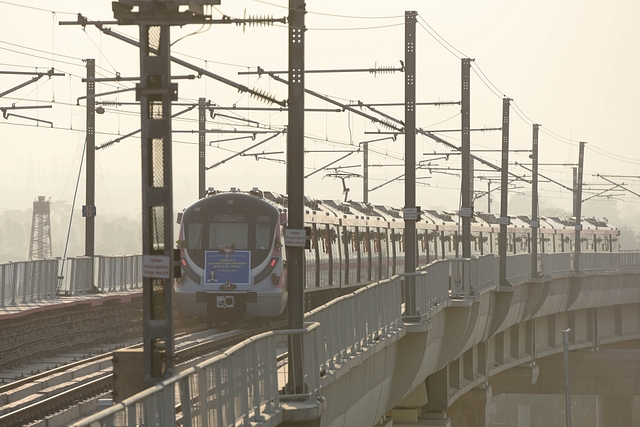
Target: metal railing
x,y
238,387
247,383
114,273
463,278
455,278
118,273
25,282
352,323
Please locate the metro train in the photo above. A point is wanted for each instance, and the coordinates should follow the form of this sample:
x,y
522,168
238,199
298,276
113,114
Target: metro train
x,y
234,263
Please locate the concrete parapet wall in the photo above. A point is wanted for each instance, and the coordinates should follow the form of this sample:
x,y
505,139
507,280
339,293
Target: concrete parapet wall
x,y
355,396
472,343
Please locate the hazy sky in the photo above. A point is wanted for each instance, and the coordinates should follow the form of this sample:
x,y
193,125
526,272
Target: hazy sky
x,y
568,65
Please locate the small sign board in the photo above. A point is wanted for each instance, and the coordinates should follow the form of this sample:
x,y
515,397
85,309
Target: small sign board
x,y
295,237
88,211
156,266
410,214
534,224
466,212
504,220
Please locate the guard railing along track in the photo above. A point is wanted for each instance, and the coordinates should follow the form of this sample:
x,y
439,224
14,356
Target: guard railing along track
x,y
97,387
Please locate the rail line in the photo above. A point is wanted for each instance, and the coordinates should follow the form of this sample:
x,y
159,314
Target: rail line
x,y
32,403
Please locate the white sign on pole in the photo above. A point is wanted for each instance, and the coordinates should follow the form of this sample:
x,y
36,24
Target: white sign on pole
x,y
410,214
156,266
295,238
466,212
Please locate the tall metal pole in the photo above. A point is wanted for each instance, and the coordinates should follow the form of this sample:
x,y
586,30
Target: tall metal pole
x,y
578,198
466,212
202,127
89,209
410,158
365,172
295,187
567,393
155,93
535,224
575,191
504,179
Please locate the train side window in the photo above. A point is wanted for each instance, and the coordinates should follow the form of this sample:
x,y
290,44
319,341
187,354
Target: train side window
x,y
194,235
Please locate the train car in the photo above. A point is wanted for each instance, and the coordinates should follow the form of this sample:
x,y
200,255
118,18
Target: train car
x,y
232,258
235,267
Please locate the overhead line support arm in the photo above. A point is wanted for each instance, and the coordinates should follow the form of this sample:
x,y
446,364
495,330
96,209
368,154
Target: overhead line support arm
x,y
611,182
545,177
480,159
201,71
240,153
38,76
341,105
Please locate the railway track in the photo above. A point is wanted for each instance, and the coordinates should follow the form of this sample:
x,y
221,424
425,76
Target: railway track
x,y
72,391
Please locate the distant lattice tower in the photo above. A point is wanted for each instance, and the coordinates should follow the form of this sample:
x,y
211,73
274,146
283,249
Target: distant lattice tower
x,y
40,246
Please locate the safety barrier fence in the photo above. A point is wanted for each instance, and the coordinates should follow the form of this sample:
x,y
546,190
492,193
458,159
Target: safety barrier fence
x,y
352,323
454,278
119,273
461,278
238,387
26,282
248,383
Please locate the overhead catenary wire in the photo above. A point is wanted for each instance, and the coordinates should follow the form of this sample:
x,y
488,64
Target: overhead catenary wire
x,y
498,93
590,146
333,15
39,9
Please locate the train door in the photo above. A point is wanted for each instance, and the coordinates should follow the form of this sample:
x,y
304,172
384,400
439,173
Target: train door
x,y
334,255
324,266
364,249
376,263
383,235
311,261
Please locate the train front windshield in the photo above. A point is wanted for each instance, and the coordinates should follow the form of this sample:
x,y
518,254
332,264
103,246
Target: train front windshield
x,y
206,229
229,231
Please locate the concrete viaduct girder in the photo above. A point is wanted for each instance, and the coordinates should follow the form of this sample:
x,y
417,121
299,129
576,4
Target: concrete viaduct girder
x,y
473,345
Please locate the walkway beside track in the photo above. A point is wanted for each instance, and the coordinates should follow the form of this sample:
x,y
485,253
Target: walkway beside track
x,y
43,311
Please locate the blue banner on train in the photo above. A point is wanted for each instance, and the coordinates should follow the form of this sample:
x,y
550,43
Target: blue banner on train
x,y
227,271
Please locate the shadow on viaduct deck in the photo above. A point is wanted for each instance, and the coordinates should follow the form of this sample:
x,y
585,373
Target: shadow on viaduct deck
x,y
364,363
